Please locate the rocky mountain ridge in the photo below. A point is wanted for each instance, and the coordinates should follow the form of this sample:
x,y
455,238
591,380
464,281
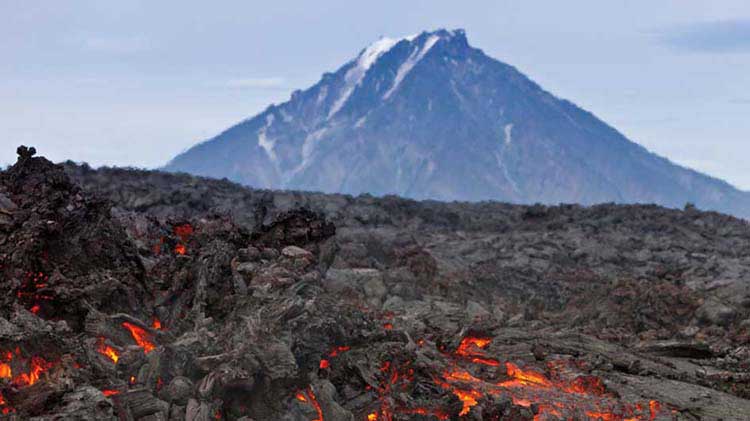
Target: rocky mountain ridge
x,y
431,117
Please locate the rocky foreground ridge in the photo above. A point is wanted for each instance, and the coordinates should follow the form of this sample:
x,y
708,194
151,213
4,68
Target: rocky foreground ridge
x,y
148,296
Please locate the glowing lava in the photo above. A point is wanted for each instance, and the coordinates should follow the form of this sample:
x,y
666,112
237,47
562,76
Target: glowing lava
x,y
469,399
472,348
184,231
108,351
338,350
140,336
5,371
524,378
440,415
654,407
109,392
308,396
4,408
561,393
335,352
37,366
29,291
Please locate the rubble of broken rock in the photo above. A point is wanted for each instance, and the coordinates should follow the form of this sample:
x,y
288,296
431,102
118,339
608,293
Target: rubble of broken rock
x,y
134,295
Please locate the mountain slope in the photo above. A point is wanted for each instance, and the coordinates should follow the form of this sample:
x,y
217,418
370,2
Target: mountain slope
x,y
429,116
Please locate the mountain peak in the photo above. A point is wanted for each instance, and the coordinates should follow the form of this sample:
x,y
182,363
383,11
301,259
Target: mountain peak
x,y
427,116
373,51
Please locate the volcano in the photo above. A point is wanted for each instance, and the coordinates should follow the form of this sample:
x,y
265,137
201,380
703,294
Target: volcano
x,y
431,117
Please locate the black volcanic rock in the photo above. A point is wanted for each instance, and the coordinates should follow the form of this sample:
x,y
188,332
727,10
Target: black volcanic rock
x,y
430,117
170,297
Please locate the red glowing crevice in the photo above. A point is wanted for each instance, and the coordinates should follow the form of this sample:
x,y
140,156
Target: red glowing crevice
x,y
140,336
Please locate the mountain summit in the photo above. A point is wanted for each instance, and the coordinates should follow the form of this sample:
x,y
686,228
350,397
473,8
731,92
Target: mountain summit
x,y
430,117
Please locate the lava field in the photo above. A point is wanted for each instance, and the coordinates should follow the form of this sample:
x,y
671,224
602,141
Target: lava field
x,y
137,295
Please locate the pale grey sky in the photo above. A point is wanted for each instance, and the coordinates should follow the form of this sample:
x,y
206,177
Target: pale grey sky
x,y
134,83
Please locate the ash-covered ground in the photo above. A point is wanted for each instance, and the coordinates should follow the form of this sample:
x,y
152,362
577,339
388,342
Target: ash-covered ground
x,y
133,295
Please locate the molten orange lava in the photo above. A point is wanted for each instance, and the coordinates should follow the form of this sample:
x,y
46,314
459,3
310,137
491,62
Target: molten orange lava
x,y
440,415
5,371
587,385
140,336
180,249
373,416
654,407
338,350
110,392
308,396
472,348
4,408
546,409
156,324
37,366
553,396
108,351
459,374
183,231
324,364
604,416
468,397
524,378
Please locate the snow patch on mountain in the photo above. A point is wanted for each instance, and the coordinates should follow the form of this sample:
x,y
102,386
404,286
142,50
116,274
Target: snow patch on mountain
x,y
508,133
266,143
308,147
285,116
410,62
357,72
322,95
499,157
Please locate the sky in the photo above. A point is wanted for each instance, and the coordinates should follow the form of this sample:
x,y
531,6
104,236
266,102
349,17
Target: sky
x,y
133,83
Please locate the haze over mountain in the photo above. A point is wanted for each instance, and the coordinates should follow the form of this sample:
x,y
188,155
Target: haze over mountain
x,y
430,117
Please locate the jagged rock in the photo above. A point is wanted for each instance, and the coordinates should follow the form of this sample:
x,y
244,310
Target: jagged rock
x,y
475,311
295,252
714,312
399,310
84,403
326,394
677,349
178,391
